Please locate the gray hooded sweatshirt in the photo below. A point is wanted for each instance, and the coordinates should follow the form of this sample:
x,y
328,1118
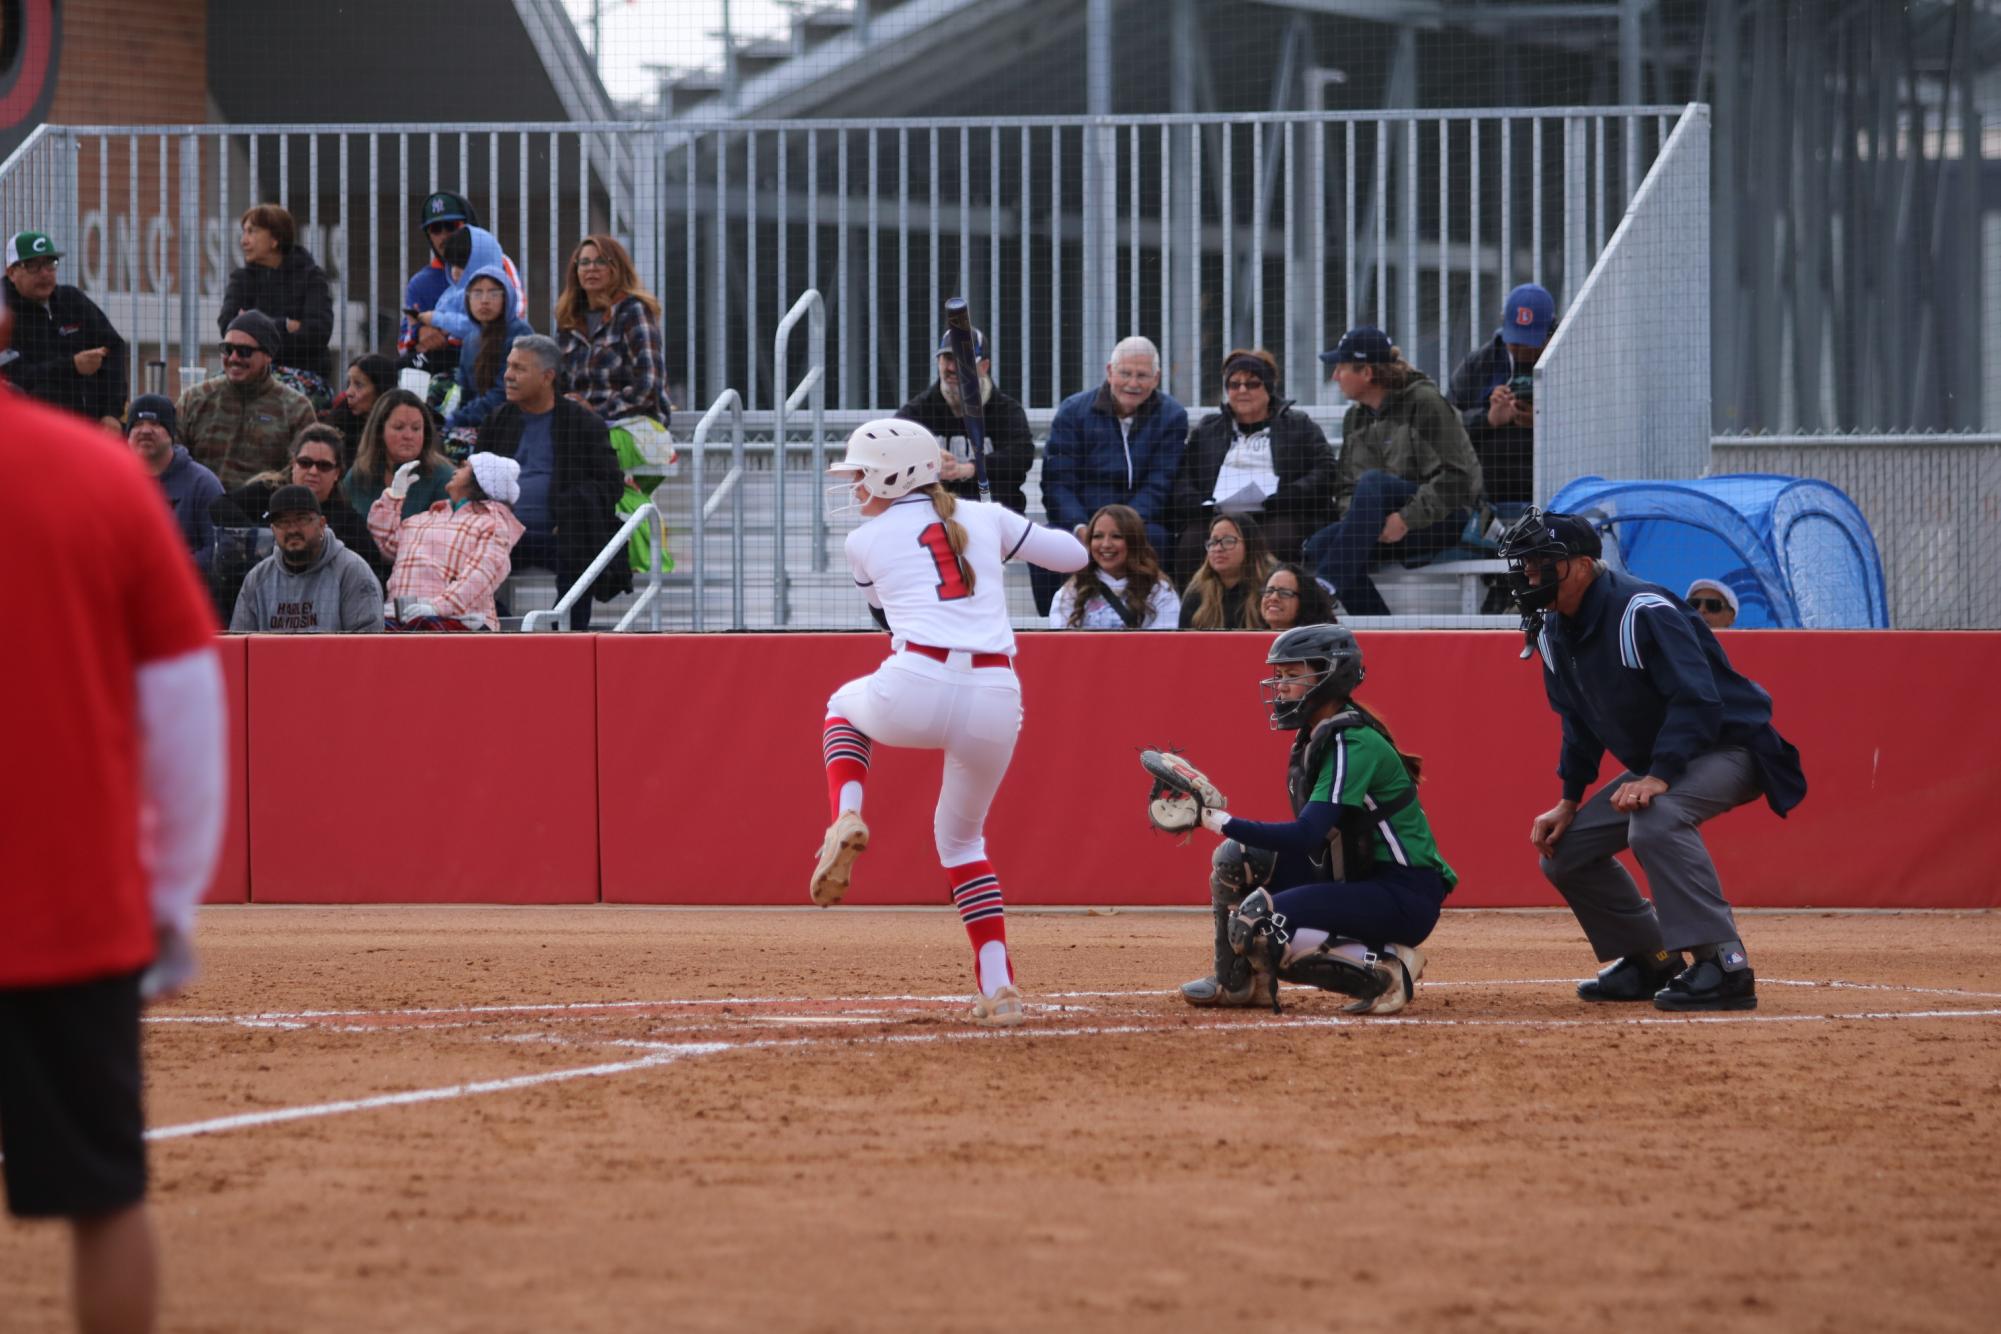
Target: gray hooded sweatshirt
x,y
336,594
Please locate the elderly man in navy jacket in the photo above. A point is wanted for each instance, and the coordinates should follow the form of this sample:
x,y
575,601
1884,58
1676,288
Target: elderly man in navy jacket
x,y
1630,669
1117,444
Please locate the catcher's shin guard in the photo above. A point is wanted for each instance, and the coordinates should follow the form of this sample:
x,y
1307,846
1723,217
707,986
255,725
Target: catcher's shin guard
x,y
1234,871
1258,936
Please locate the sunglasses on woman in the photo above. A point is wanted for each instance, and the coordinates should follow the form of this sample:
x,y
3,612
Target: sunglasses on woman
x,y
315,465
1708,604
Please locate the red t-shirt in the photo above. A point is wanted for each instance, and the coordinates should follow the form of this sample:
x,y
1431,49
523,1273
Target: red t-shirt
x,y
97,584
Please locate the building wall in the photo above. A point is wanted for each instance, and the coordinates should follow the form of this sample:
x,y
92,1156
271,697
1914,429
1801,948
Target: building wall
x,y
132,61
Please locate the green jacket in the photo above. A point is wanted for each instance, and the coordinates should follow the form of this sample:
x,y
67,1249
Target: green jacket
x,y
1417,436
239,431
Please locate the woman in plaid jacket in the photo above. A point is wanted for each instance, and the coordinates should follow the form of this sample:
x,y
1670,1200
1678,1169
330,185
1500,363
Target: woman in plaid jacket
x,y
614,356
450,557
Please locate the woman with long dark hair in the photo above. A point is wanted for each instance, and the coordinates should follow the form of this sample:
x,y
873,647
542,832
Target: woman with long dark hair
x,y
400,431
1123,588
490,305
1222,595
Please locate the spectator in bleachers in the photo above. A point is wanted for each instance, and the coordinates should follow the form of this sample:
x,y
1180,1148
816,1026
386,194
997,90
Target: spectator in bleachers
x,y
311,583
1293,597
1123,588
570,480
65,351
245,422
243,538
1224,594
614,355
490,303
940,409
1714,602
280,277
465,252
1407,479
1117,444
424,346
400,430
368,376
451,558
1258,455
189,487
1490,390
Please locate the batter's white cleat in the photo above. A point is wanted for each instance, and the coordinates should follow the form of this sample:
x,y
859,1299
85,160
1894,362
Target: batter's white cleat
x,y
847,838
1003,1009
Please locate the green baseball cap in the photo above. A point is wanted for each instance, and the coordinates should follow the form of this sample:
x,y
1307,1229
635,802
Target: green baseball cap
x,y
24,246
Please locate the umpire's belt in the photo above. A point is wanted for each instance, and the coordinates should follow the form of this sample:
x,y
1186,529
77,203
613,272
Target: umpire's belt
x,y
973,659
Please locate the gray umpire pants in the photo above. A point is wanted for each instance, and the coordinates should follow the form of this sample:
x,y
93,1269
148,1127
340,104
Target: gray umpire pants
x,y
1688,906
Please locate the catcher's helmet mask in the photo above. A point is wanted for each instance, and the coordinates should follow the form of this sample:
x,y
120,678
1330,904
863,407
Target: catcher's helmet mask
x,y
1336,662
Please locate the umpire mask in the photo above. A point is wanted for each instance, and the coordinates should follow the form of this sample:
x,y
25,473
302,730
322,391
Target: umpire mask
x,y
1541,542
1336,662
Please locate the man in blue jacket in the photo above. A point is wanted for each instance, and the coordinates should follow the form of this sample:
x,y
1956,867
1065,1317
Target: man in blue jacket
x,y
189,487
1629,668
1118,444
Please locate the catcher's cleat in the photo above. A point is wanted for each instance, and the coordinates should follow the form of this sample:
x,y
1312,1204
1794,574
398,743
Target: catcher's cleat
x,y
1706,985
1634,978
1207,993
1401,966
1003,1009
846,839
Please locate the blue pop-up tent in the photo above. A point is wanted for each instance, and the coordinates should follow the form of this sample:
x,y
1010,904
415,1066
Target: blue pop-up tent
x,y
1795,551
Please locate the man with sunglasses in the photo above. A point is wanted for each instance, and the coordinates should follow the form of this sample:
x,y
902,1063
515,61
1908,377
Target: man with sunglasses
x,y
189,487
1714,602
65,351
244,423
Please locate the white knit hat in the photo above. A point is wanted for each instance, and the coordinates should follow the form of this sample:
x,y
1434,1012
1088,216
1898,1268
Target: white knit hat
x,y
499,477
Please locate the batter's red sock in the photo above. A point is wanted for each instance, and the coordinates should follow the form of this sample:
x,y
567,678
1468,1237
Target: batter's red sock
x,y
976,892
845,749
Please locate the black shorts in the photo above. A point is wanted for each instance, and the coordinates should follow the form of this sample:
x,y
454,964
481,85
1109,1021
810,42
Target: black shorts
x,y
71,1124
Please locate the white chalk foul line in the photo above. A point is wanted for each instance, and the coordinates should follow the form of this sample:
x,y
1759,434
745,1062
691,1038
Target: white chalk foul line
x,y
446,1093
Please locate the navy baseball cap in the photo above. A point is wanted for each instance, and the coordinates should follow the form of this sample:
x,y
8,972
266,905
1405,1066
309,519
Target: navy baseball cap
x,y
155,408
1577,533
444,206
291,499
1363,345
979,344
1528,316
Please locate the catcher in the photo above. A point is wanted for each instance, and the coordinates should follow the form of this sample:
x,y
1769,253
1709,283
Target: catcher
x,y
1340,896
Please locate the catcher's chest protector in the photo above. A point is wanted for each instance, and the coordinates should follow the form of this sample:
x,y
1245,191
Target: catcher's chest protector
x,y
1351,848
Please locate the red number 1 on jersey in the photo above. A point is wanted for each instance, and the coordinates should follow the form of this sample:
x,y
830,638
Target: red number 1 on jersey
x,y
951,582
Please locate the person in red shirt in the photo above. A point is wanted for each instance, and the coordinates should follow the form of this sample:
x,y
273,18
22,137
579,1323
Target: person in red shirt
x,y
111,807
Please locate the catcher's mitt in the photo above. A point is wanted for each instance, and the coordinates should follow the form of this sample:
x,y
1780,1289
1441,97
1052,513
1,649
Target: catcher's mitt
x,y
1180,794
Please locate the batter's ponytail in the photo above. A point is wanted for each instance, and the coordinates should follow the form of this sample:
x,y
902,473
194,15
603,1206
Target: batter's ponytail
x,y
946,504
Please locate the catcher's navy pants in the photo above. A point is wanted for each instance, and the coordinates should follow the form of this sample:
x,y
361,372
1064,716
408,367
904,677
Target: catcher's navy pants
x,y
1396,905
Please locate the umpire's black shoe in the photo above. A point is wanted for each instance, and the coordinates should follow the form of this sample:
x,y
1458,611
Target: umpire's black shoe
x,y
1706,985
1634,978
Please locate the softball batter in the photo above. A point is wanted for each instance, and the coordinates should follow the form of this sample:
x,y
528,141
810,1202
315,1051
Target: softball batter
x,y
931,565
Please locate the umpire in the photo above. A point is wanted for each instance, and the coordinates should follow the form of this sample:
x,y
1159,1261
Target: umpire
x,y
1631,669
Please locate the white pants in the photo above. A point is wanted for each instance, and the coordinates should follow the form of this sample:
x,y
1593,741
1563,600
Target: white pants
x,y
973,714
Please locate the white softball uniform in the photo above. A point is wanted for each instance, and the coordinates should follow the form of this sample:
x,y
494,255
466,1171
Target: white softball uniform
x,y
903,561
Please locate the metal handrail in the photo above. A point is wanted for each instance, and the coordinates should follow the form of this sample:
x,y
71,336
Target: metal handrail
x,y
649,513
814,382
729,401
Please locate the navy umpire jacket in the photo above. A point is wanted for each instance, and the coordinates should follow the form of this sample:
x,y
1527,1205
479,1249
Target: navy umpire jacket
x,y
1637,672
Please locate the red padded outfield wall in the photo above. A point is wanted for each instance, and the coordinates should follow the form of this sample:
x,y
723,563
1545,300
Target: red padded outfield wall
x,y
686,768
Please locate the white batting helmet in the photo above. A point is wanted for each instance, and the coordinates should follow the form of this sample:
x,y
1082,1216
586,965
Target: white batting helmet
x,y
893,457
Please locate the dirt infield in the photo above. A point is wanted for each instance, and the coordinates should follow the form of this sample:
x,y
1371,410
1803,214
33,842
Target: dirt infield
x,y
648,1119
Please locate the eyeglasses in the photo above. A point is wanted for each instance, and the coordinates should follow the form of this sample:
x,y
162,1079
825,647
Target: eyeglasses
x,y
1708,604
443,228
598,263
1282,594
39,265
1134,377
1241,382
1222,543
315,465
239,351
